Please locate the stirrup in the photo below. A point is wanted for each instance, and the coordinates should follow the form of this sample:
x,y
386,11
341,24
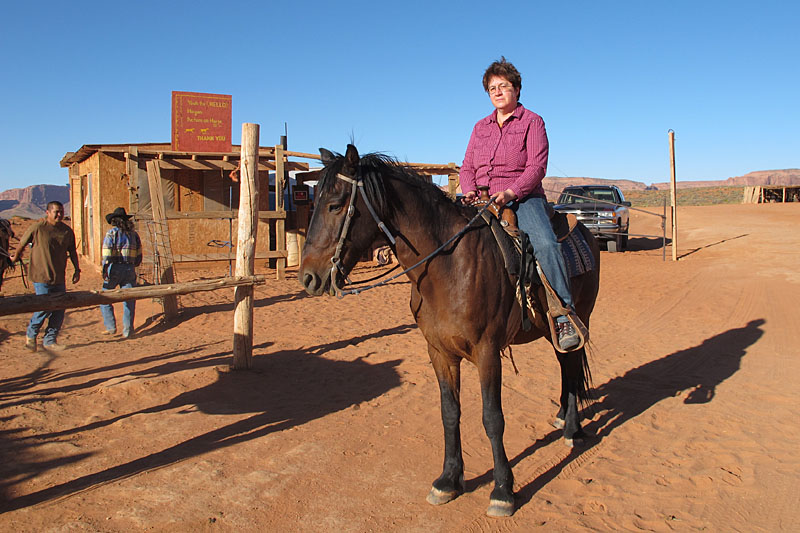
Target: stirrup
x,y
577,323
555,308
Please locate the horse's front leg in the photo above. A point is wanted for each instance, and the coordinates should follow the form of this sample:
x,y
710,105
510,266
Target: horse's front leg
x,y
451,483
568,417
502,498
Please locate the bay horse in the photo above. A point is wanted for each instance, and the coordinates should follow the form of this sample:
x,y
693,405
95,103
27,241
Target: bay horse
x,y
462,298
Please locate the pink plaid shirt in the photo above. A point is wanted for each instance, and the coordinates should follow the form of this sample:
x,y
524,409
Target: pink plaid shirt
x,y
512,157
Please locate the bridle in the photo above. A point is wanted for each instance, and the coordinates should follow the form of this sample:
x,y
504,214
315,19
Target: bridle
x,y
358,185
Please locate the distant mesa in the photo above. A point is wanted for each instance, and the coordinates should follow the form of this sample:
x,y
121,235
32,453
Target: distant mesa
x,y
789,177
31,202
554,185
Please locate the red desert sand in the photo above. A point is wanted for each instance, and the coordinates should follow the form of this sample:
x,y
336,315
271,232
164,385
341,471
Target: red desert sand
x,y
337,427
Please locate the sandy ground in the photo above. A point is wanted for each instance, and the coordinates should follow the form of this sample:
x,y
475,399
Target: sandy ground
x,y
337,428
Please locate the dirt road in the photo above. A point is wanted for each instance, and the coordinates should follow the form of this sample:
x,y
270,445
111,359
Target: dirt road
x,y
695,366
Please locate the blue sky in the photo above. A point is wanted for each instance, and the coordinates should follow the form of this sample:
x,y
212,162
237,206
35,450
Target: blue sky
x,y
609,78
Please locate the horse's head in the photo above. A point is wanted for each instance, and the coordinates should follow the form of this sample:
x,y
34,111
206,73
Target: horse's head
x,y
342,227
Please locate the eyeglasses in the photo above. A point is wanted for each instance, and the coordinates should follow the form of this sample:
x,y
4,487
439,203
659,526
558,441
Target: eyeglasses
x,y
502,88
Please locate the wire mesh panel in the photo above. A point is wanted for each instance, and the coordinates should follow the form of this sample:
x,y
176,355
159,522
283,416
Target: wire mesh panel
x,y
157,258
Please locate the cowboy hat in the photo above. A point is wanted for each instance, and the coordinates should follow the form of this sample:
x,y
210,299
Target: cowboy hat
x,y
118,212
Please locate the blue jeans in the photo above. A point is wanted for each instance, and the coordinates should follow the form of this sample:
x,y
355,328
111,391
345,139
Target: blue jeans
x,y
532,219
124,276
38,318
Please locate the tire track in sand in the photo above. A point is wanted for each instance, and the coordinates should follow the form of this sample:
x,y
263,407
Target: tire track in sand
x,y
530,477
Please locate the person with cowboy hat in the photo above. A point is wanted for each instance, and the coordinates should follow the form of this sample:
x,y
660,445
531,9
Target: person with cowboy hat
x,y
122,253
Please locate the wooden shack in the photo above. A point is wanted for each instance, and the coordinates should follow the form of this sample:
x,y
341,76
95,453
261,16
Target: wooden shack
x,y
760,194
185,204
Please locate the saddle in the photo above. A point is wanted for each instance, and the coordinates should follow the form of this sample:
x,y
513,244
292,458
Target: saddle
x,y
524,270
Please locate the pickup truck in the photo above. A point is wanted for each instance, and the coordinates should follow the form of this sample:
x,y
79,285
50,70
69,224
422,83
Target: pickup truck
x,y
602,209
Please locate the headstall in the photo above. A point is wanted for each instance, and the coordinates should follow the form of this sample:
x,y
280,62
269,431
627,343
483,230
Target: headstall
x,y
358,184
336,262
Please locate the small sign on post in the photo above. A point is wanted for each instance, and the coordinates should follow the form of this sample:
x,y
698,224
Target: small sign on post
x,y
300,194
201,122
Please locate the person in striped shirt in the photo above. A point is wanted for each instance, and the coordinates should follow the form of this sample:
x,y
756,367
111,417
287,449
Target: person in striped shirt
x,y
122,253
508,152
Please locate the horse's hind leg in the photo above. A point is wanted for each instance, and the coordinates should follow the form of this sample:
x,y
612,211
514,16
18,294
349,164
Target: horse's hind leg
x,y
572,383
451,483
502,497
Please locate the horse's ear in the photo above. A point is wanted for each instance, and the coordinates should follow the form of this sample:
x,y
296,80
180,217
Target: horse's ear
x,y
351,160
327,156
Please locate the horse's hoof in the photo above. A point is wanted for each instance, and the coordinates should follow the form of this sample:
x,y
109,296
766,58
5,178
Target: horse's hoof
x,y
559,423
440,497
575,442
498,508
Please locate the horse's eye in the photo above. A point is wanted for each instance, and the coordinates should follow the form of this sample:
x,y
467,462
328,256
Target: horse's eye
x,y
334,208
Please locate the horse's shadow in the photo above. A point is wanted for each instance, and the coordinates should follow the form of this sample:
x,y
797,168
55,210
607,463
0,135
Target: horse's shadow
x,y
698,369
285,389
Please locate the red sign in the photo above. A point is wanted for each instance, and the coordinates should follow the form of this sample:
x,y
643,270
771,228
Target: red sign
x,y
201,122
300,196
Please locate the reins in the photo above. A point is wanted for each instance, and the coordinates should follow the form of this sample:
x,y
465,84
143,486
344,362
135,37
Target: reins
x,y
358,184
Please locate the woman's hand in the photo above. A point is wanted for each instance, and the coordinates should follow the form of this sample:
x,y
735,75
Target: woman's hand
x,y
503,197
469,198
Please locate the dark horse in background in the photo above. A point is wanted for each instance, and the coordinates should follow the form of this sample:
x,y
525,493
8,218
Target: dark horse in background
x,y
462,298
6,234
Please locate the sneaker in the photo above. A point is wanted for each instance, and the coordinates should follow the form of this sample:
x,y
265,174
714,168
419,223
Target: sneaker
x,y
30,343
54,347
567,336
110,333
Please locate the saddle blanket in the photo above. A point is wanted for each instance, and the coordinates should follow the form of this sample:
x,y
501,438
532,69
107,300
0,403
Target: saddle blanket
x,y
577,254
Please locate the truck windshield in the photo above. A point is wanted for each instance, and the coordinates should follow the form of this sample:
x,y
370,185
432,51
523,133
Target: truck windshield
x,y
569,197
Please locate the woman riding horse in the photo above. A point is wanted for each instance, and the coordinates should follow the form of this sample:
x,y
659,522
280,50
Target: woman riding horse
x,y
508,152
463,301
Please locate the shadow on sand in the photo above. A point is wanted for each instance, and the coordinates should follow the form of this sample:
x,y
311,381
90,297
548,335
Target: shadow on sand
x,y
285,389
698,369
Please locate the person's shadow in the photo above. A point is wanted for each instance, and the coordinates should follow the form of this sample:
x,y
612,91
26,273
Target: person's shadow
x,y
284,389
699,369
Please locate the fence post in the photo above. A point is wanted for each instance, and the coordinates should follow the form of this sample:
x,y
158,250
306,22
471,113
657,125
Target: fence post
x,y
163,244
674,195
452,180
280,223
245,248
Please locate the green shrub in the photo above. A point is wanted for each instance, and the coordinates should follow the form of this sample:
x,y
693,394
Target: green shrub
x,y
687,196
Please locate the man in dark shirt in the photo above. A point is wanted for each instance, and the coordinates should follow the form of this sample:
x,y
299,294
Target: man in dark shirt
x,y
53,241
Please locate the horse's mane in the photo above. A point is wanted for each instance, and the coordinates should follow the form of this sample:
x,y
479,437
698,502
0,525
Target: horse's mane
x,y
5,227
377,169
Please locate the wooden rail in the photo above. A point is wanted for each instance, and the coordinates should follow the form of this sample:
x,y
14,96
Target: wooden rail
x,y
14,305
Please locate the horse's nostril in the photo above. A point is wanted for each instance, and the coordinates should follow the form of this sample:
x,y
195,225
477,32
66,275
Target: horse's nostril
x,y
310,281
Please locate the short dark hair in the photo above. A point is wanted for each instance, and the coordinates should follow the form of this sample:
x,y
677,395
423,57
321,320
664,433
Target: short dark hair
x,y
502,69
54,203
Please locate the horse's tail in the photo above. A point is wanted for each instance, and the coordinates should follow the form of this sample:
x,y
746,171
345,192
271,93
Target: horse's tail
x,y
586,393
